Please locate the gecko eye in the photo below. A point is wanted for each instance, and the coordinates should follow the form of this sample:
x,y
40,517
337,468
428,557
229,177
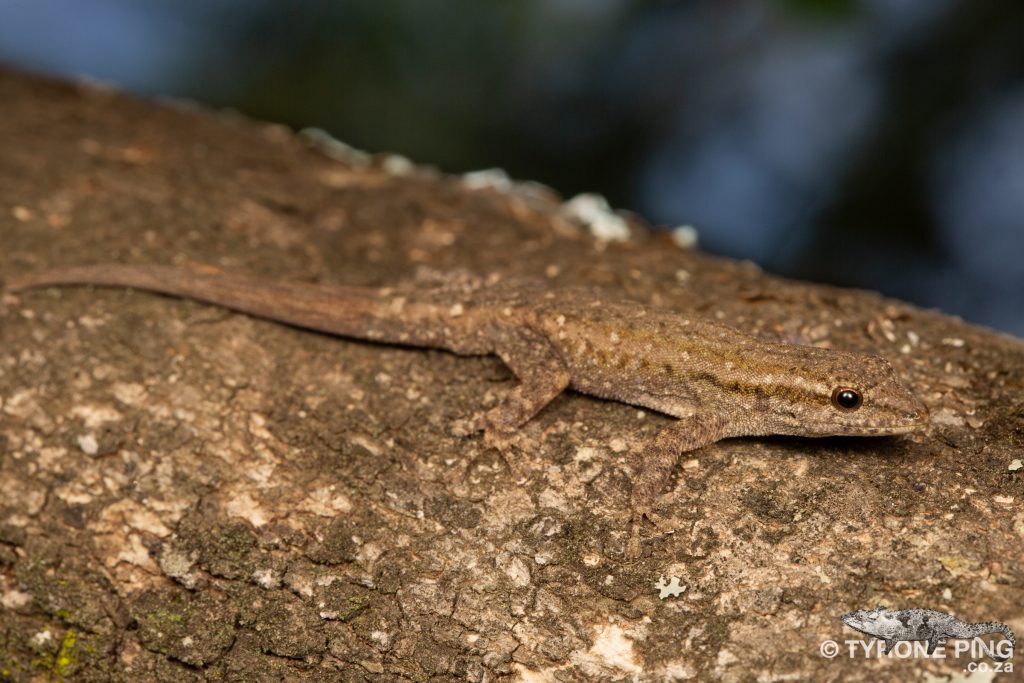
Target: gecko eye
x,y
846,398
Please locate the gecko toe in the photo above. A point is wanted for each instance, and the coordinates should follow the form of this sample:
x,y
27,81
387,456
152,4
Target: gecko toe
x,y
634,548
498,438
468,426
494,436
640,515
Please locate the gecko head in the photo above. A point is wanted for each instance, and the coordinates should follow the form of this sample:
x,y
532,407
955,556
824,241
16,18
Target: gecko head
x,y
875,622
835,393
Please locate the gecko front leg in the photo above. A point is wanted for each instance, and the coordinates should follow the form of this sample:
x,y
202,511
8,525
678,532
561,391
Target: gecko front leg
x,y
660,457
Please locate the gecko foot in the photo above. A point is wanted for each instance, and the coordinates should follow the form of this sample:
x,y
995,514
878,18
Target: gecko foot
x,y
468,426
496,434
661,525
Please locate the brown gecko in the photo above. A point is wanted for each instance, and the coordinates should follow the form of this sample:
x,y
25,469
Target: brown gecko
x,y
717,381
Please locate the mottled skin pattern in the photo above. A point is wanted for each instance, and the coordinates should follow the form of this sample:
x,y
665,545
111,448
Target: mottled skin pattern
x,y
920,624
716,380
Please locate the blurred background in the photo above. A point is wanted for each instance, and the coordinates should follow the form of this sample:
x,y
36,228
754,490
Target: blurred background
x,y
872,143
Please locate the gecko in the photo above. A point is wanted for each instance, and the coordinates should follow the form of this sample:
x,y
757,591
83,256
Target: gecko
x,y
921,624
716,381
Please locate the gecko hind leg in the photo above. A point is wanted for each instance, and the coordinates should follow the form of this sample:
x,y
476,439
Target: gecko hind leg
x,y
659,458
542,376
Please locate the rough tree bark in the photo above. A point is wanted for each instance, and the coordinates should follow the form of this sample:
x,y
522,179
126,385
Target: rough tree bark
x,y
192,494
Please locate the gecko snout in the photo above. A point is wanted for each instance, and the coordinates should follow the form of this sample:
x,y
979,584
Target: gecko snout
x,y
909,411
919,412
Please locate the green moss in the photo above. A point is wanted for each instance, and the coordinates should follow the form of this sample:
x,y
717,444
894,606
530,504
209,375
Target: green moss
x,y
65,655
57,665
164,616
355,606
11,666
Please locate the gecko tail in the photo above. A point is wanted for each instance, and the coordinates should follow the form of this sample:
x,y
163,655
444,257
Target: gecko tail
x,y
307,305
351,311
150,277
994,627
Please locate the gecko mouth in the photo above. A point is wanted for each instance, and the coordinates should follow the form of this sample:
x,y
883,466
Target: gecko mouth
x,y
893,430
874,430
909,422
